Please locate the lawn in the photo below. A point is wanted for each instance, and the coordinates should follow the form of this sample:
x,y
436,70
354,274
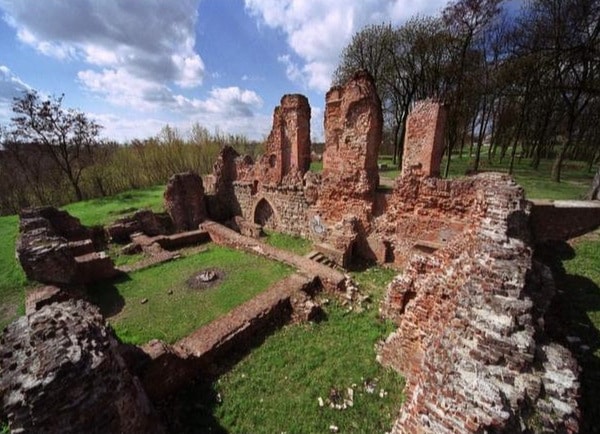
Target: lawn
x,y
299,364
156,303
297,245
12,279
104,210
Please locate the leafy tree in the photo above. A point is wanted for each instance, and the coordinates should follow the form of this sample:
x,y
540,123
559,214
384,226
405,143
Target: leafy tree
x,y
66,135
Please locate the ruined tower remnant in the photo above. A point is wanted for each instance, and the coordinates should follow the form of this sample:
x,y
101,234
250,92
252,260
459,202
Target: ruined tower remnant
x,y
353,126
62,373
424,139
184,201
353,122
288,144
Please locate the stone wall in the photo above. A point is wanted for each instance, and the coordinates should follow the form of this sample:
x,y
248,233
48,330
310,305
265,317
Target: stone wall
x,y
424,139
184,201
353,128
470,339
564,219
62,373
288,144
424,214
53,247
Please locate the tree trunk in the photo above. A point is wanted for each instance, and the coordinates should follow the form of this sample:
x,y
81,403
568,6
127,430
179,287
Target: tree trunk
x,y
558,163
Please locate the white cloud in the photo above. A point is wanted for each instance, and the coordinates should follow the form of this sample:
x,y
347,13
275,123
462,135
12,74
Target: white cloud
x,y
317,31
151,40
11,87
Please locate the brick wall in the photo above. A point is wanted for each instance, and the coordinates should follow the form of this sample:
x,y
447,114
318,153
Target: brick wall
x,y
424,139
469,341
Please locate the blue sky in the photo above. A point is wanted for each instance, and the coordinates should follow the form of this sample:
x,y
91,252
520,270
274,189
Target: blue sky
x,y
135,66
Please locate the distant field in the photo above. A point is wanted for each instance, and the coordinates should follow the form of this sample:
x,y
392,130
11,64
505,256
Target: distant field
x,y
537,183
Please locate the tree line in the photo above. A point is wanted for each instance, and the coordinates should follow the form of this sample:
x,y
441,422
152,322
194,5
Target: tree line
x,y
516,83
53,155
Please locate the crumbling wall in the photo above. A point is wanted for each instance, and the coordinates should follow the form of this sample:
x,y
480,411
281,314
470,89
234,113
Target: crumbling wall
x,y
469,337
424,139
184,201
61,373
353,128
288,145
53,247
424,214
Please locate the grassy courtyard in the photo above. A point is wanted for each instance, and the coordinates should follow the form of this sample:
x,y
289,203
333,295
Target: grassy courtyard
x,y
297,364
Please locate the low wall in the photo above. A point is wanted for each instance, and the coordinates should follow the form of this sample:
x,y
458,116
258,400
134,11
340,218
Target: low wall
x,y
214,347
330,278
561,220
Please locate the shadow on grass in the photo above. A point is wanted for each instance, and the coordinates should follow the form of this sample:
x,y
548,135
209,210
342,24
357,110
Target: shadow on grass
x,y
192,409
571,326
107,297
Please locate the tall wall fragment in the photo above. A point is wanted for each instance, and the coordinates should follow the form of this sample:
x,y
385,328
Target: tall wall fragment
x,y
424,139
288,144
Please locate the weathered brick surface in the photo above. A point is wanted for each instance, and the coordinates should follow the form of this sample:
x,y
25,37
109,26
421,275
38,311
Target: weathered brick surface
x,y
184,201
53,247
467,329
353,126
288,145
424,139
425,214
61,373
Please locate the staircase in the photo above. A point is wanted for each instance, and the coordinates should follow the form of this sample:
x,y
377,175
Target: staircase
x,y
321,259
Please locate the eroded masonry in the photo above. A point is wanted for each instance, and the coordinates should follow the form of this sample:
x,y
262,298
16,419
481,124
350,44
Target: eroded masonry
x,y
469,307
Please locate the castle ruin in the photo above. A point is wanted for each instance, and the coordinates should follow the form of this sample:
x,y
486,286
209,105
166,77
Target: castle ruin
x,y
469,307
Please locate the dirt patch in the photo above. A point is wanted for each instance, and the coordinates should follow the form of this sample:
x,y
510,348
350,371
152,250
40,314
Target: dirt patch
x,y
205,278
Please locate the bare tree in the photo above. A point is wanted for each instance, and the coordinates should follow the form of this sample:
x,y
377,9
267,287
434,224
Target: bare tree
x,y
66,135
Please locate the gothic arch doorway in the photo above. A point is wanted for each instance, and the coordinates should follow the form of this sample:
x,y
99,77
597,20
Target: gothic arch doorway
x,y
264,214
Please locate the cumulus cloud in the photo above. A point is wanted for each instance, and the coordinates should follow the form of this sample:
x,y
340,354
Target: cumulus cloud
x,y
150,43
317,32
11,87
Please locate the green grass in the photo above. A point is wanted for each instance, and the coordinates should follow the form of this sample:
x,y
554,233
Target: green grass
x,y
170,317
297,245
580,313
277,386
12,279
576,179
107,209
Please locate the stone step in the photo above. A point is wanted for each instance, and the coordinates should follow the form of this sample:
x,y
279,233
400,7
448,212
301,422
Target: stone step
x,y
321,259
